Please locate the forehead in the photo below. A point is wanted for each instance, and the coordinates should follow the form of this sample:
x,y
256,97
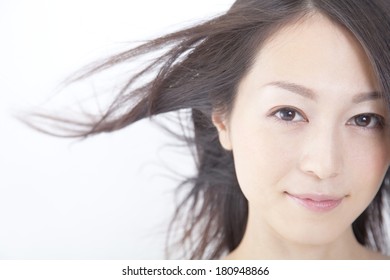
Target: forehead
x,y
317,53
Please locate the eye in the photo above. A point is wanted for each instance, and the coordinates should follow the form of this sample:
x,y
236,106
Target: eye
x,y
367,121
289,115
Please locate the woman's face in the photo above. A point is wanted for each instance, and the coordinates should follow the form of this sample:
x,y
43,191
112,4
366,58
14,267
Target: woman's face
x,y
308,133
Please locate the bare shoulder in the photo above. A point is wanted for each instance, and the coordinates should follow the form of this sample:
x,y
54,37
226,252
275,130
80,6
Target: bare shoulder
x,y
230,256
373,255
379,256
234,255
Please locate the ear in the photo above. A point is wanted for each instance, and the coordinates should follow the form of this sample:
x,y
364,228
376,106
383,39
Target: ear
x,y
220,122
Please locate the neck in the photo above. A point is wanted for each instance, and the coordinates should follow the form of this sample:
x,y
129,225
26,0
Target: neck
x,y
264,243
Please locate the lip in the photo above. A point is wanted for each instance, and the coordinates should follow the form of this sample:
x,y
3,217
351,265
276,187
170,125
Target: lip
x,y
316,202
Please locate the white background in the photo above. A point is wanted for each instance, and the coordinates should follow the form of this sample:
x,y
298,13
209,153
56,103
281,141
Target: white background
x,y
110,196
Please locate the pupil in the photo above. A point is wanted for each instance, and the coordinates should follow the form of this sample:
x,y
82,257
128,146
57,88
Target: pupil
x,y
287,115
363,120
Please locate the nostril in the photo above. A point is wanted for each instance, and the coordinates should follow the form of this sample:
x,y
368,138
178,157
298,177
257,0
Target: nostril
x,y
320,171
322,175
321,163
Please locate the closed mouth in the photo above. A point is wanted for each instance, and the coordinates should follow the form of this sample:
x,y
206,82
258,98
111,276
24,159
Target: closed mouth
x,y
316,202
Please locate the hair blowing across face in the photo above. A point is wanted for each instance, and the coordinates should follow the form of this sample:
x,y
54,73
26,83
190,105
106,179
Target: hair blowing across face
x,y
200,71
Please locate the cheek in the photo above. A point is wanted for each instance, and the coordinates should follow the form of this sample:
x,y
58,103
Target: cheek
x,y
366,166
262,158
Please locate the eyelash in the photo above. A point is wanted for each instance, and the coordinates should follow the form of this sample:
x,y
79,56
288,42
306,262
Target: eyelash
x,y
379,121
378,124
289,110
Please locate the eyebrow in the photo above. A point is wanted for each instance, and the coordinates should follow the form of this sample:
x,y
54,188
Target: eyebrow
x,y
310,94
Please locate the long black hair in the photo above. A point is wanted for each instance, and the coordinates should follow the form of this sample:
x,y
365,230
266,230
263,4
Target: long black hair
x,y
198,69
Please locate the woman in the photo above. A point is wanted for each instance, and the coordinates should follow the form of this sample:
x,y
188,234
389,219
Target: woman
x,y
289,102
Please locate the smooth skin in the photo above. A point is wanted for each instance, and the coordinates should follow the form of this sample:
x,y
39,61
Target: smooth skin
x,y
307,119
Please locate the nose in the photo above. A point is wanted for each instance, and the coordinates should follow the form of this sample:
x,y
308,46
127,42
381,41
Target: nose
x,y
321,155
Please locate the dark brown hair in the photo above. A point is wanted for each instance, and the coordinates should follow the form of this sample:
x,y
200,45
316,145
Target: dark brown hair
x,y
199,70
